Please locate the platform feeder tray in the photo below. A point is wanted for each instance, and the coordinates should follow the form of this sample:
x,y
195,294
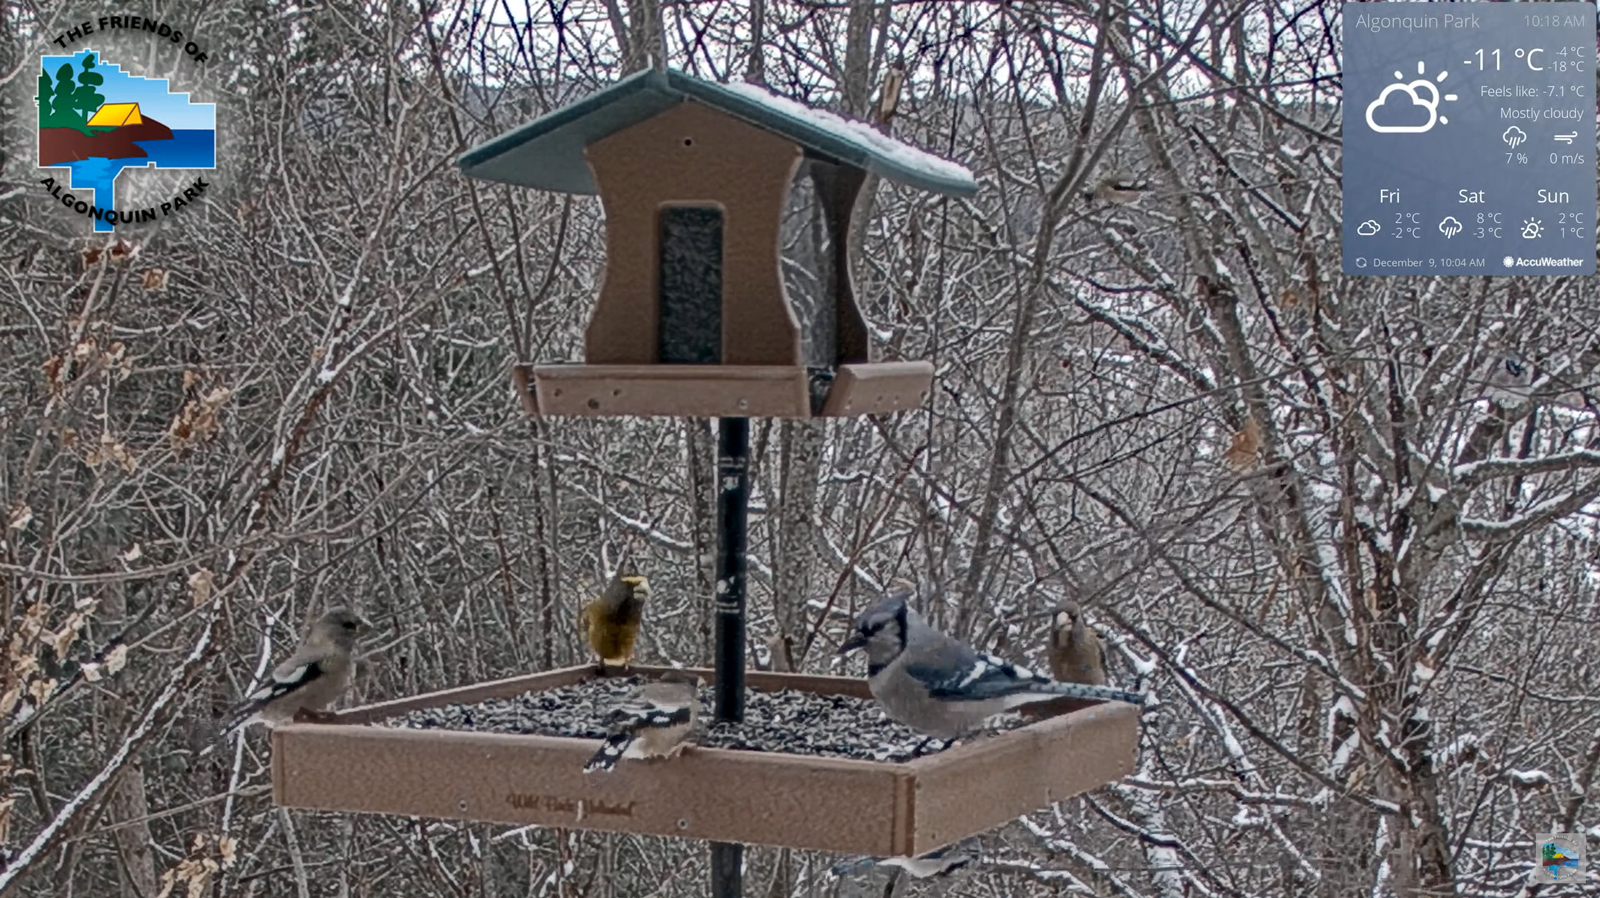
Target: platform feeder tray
x,y
756,797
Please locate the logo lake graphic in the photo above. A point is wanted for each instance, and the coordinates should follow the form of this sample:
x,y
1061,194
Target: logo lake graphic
x,y
97,120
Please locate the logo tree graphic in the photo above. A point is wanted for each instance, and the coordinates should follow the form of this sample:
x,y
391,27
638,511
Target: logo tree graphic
x,y
72,99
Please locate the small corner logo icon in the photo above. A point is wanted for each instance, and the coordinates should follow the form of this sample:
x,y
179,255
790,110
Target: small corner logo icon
x,y
1560,858
95,120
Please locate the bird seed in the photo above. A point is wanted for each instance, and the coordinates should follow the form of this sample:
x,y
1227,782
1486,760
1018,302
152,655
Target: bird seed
x,y
796,723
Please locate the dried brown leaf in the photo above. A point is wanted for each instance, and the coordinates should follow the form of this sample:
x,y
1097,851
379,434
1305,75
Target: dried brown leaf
x,y
20,516
200,585
1245,444
64,640
40,691
52,372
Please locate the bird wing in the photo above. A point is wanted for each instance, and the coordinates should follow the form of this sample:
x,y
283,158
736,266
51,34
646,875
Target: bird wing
x,y
953,671
303,667
1097,649
647,708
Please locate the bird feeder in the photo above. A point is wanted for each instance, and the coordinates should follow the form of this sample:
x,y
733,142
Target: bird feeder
x,y
694,319
722,795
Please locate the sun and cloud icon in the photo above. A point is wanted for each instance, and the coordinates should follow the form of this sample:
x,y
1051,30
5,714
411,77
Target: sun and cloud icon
x,y
1415,117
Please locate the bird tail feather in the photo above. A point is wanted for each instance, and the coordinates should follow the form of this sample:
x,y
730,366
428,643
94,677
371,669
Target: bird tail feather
x,y
1100,693
853,866
237,719
609,754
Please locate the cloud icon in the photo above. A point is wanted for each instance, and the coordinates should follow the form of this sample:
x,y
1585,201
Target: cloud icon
x,y
1430,108
1449,227
1514,136
1368,228
1414,90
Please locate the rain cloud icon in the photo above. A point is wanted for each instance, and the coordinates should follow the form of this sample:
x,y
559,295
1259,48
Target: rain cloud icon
x,y
1368,228
1416,91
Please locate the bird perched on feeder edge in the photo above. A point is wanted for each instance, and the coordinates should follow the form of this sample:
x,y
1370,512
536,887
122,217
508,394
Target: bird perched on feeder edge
x,y
654,721
1116,190
312,678
939,862
941,686
1076,655
611,621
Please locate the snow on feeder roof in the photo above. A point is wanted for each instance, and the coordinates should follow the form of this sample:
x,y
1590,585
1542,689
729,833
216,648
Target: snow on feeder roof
x,y
548,153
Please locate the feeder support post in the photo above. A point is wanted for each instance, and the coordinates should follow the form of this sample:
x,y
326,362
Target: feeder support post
x,y
733,508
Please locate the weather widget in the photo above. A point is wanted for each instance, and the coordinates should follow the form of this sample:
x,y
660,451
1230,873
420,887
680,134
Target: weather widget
x,y
1469,138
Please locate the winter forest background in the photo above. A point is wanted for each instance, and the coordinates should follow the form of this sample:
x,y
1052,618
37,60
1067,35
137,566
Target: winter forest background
x,y
1367,593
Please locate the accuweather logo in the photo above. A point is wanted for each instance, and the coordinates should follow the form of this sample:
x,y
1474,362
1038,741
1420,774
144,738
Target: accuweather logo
x,y
97,119
1541,262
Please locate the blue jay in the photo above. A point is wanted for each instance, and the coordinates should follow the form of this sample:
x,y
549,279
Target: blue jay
x,y
654,721
1509,382
310,680
939,862
940,686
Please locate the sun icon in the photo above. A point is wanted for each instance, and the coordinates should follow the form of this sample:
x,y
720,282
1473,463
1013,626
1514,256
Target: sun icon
x,y
1422,92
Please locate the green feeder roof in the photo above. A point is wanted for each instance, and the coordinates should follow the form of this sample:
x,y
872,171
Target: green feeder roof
x,y
547,153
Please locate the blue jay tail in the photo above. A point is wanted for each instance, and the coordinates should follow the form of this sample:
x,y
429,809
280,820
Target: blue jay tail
x,y
923,747
239,717
854,866
609,754
1098,693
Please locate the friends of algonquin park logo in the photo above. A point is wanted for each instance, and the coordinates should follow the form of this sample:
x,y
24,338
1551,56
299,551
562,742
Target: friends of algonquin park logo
x,y
97,119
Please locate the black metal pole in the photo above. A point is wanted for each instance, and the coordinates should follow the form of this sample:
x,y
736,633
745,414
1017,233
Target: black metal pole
x,y
733,508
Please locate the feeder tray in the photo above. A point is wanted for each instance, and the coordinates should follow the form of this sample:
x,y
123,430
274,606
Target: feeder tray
x,y
774,391
799,801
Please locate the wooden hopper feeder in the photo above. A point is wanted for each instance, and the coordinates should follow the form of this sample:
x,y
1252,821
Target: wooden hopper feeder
x,y
693,318
799,801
